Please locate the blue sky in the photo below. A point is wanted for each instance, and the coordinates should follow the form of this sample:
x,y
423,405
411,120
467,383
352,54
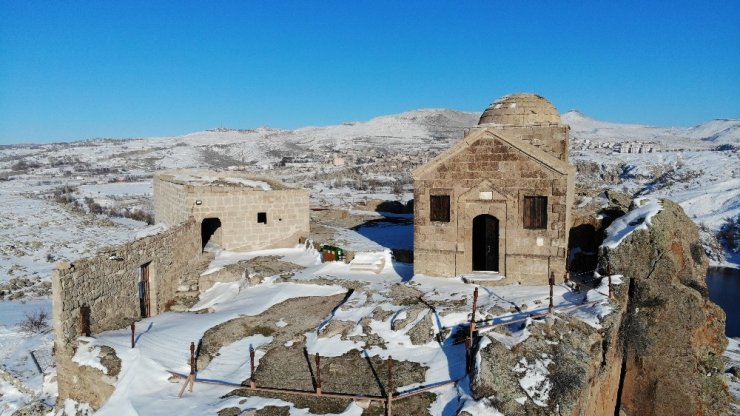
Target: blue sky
x,y
75,70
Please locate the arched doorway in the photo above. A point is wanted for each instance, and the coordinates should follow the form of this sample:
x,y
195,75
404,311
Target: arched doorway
x,y
208,227
485,243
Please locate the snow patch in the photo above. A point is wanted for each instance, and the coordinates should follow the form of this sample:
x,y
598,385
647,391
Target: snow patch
x,y
637,219
89,355
535,381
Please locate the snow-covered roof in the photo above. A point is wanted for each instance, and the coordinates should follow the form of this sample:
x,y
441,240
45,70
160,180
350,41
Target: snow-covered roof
x,y
520,109
219,178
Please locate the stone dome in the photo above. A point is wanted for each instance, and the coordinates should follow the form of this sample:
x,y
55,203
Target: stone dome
x,y
520,110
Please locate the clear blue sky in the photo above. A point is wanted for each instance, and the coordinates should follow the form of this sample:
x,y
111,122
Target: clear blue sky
x,y
74,70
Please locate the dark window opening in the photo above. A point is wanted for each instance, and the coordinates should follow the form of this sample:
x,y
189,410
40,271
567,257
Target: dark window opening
x,y
535,212
208,227
440,208
262,217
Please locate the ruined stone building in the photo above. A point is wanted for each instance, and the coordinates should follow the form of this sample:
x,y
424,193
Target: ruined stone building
x,y
235,211
499,200
148,276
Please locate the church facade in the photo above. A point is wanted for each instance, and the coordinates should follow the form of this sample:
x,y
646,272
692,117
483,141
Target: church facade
x,y
498,202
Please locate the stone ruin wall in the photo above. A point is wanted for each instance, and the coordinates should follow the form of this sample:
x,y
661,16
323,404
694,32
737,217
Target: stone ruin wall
x,y
236,207
109,287
287,217
170,206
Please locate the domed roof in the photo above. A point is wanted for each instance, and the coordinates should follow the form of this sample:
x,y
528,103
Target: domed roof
x,y
520,109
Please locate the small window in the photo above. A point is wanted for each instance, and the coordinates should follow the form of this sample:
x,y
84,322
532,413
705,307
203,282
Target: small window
x,y
535,212
262,217
440,208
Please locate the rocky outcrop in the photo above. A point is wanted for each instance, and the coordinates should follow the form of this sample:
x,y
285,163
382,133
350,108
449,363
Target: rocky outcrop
x,y
294,317
254,271
582,367
86,384
672,335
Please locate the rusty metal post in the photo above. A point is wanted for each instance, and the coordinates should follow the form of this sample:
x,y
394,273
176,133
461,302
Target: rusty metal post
x,y
192,358
389,388
252,383
471,334
609,272
133,334
318,374
191,378
192,366
552,284
475,306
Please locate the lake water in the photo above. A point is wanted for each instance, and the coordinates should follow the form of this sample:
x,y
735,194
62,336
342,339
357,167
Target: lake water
x,y
724,290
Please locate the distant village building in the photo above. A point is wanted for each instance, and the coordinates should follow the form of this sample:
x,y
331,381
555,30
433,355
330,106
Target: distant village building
x,y
498,201
235,211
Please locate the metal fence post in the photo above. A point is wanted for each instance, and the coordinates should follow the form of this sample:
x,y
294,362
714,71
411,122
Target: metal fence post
x,y
552,284
191,378
471,334
252,383
389,389
192,366
318,374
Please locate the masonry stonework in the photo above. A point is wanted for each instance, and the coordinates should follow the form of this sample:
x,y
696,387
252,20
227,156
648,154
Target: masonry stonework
x,y
254,213
518,150
107,285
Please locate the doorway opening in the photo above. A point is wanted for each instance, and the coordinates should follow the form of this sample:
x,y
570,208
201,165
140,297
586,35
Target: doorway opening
x,y
208,228
485,243
144,291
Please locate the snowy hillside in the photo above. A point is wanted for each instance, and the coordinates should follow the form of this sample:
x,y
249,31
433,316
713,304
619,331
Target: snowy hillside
x,y
345,165
696,166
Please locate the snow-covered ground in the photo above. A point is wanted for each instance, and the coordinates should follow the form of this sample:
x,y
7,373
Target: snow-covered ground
x,y
36,232
143,386
20,380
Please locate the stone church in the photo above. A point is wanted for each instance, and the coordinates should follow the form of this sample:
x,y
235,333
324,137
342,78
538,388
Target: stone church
x,y
498,202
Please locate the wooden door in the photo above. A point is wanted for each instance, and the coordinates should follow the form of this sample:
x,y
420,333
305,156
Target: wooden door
x,y
144,291
485,243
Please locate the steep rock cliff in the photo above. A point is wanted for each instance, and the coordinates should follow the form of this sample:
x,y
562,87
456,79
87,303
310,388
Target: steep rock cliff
x,y
672,335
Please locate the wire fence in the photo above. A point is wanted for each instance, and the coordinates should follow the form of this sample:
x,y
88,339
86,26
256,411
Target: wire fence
x,y
469,333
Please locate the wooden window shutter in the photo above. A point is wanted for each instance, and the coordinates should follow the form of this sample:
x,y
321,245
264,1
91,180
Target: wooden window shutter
x,y
535,212
439,208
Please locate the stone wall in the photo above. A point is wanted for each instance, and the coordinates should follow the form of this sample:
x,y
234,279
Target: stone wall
x,y
108,283
492,176
237,207
170,206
